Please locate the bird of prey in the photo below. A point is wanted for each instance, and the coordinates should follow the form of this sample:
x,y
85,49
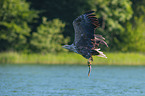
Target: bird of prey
x,y
86,42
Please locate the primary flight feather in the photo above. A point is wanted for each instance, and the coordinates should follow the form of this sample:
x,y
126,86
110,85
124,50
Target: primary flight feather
x,y
86,42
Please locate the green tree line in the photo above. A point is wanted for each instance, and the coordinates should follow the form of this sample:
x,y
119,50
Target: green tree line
x,y
45,25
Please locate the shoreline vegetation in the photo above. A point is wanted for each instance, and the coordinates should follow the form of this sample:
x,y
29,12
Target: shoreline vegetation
x,y
117,58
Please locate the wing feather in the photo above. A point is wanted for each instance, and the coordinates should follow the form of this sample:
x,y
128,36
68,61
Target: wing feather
x,y
84,27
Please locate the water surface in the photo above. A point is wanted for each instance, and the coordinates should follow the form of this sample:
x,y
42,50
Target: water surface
x,y
71,80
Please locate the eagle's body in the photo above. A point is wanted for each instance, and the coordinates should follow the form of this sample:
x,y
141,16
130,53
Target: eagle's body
x,y
86,42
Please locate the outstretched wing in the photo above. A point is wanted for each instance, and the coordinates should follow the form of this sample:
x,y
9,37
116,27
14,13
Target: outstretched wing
x,y
84,27
85,39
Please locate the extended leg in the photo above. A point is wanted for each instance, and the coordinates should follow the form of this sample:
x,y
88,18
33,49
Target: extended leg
x,y
89,65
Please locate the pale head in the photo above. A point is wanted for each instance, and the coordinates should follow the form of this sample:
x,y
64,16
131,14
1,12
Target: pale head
x,y
70,47
67,47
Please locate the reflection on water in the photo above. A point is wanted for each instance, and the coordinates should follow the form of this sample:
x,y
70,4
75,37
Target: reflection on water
x,y
71,80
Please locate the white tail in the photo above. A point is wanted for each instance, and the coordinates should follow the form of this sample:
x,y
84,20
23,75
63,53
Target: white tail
x,y
100,53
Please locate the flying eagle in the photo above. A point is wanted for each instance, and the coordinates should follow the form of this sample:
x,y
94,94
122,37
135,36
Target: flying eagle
x,y
86,42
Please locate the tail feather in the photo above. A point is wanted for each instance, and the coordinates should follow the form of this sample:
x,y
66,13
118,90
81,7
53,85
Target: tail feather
x,y
100,53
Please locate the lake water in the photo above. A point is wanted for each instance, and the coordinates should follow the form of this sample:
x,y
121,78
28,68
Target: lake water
x,y
71,80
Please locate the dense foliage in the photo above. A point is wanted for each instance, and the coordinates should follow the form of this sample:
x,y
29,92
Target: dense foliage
x,y
48,37
114,14
15,15
134,36
43,26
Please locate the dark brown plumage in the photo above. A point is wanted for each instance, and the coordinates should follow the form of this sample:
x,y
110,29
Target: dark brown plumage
x,y
86,42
